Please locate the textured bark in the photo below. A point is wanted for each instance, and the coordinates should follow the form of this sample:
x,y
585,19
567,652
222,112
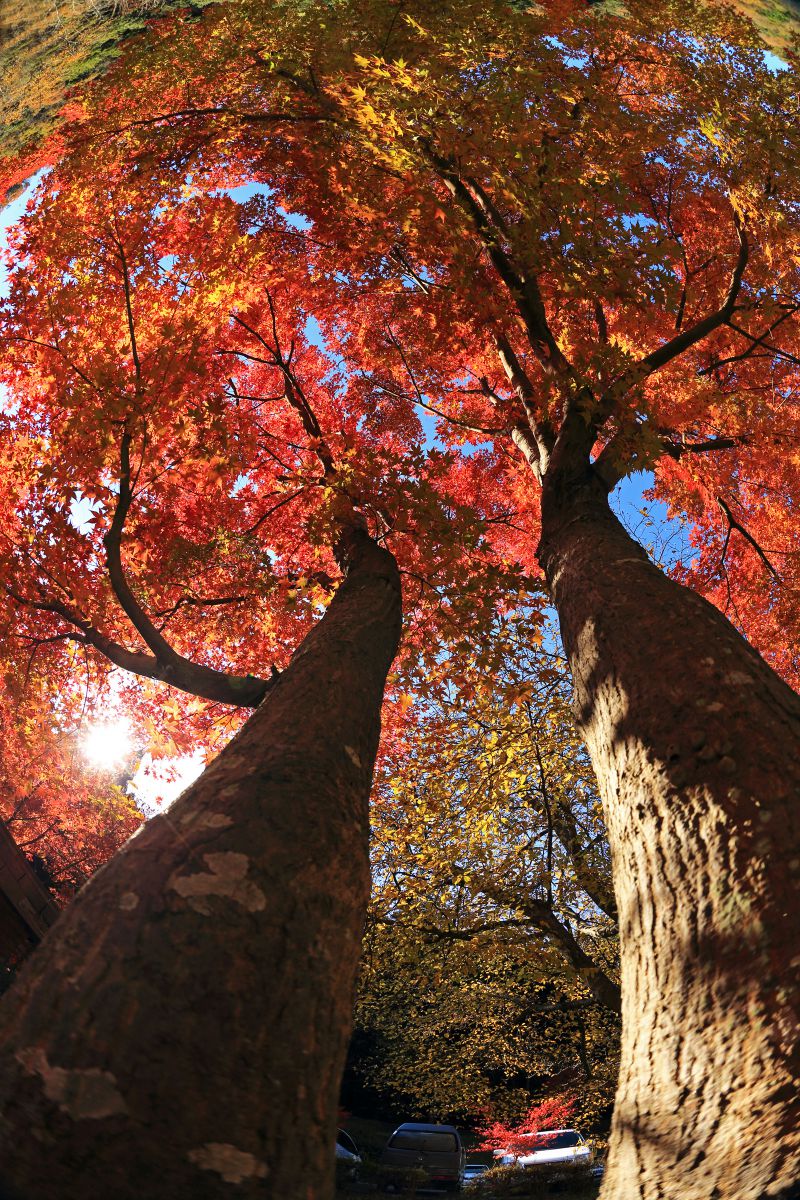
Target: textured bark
x,y
696,745
180,1033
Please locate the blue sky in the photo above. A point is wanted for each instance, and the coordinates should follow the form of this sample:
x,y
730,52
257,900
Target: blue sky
x,y
8,217
773,62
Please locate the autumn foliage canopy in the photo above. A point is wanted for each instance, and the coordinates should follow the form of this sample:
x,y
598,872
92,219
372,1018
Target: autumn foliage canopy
x,y
268,291
243,298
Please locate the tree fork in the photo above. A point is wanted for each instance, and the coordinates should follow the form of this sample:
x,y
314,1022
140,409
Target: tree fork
x,y
180,1035
696,746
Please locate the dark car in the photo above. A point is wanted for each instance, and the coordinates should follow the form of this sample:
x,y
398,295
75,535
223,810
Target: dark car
x,y
435,1149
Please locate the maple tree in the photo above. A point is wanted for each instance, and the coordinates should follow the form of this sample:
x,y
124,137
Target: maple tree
x,y
179,445
72,818
599,264
314,738
556,1112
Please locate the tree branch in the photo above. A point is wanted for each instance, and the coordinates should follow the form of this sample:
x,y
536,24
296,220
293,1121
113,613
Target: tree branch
x,y
701,329
518,378
419,395
197,602
676,449
295,395
611,465
113,546
522,285
187,114
241,691
748,537
540,914
126,281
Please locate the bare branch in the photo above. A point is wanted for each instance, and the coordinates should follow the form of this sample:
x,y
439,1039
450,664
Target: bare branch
x,y
197,602
600,319
541,915
28,341
273,509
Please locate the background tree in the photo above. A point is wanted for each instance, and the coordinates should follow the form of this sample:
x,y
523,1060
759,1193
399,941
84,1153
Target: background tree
x,y
488,801
447,1028
554,1113
490,963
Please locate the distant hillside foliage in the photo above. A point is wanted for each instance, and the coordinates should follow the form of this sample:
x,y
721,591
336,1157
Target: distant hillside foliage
x,y
46,48
778,21
49,46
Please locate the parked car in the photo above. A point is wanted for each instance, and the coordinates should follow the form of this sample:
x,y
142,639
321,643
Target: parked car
x,y
563,1148
435,1149
473,1172
346,1149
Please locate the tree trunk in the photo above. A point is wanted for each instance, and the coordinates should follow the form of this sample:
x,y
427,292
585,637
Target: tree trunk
x,y
696,745
180,1033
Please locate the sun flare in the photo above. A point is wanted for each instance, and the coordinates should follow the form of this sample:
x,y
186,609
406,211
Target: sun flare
x,y
106,746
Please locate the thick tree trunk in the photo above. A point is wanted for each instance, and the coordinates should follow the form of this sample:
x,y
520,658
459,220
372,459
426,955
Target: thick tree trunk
x,y
696,745
180,1033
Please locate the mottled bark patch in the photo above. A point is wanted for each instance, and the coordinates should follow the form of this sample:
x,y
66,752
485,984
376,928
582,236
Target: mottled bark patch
x,y
225,877
209,820
235,1166
84,1094
353,756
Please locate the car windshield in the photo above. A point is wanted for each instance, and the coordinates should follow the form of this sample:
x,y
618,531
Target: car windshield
x,y
557,1141
415,1139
